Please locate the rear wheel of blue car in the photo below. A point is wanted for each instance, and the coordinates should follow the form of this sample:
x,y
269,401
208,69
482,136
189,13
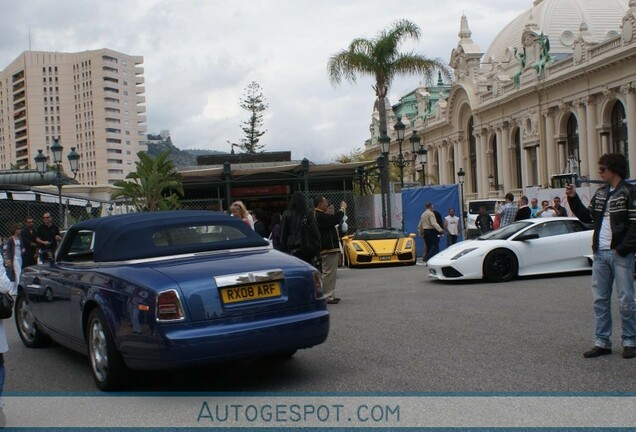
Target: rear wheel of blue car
x,y
107,365
28,329
500,265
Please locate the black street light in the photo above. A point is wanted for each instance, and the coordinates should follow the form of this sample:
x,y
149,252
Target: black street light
x,y
461,175
73,160
382,161
400,162
415,147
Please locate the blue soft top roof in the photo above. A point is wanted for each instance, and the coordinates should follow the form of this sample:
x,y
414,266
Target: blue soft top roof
x,y
130,236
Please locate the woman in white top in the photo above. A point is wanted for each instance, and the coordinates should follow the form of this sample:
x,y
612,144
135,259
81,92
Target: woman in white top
x,y
13,257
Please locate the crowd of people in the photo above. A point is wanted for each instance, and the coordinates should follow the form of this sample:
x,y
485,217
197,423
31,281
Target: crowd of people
x,y
311,234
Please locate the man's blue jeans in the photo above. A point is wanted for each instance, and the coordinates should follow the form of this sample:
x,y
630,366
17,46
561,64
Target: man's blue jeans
x,y
613,271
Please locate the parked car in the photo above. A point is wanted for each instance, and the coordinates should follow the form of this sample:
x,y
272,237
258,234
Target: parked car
x,y
172,289
375,246
528,247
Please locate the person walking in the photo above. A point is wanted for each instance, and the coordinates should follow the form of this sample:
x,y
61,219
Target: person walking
x,y
327,220
613,212
451,227
430,230
13,257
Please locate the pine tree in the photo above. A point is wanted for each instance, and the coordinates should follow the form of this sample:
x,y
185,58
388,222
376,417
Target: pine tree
x,y
254,102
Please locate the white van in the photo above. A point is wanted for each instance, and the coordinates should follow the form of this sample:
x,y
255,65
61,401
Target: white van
x,y
472,212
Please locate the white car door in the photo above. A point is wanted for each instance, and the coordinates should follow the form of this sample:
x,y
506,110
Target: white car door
x,y
553,250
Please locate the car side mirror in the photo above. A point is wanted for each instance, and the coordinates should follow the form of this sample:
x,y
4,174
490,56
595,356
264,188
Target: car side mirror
x,y
524,237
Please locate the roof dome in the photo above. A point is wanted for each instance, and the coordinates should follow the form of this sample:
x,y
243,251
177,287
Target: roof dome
x,y
561,21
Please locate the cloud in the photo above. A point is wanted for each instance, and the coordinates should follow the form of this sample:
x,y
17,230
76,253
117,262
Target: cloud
x,y
199,55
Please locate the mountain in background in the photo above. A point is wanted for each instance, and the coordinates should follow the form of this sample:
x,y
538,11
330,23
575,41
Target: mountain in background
x,y
159,143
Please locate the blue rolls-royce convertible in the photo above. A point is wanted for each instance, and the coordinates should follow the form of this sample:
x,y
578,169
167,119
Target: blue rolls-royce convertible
x,y
165,290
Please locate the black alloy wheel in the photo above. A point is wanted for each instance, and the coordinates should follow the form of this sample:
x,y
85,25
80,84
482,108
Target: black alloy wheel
x,y
500,265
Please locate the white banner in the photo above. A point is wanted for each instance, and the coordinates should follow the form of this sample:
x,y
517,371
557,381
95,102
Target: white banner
x,y
316,411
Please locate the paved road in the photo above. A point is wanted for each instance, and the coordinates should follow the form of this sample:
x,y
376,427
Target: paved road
x,y
397,331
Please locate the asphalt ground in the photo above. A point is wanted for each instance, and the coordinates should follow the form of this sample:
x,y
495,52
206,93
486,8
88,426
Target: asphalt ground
x,y
396,330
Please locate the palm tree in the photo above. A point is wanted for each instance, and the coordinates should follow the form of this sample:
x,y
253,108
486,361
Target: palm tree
x,y
380,58
155,185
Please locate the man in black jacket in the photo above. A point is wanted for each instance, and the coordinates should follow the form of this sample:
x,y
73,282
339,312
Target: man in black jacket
x,y
613,211
329,243
524,211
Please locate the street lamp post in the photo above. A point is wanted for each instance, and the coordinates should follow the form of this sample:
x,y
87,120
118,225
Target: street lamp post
x,y
415,147
461,175
73,160
400,162
383,165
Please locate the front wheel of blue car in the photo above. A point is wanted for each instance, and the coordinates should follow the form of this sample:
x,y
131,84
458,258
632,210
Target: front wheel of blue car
x,y
107,365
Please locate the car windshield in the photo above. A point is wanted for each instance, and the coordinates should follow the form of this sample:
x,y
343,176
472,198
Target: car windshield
x,y
505,232
379,234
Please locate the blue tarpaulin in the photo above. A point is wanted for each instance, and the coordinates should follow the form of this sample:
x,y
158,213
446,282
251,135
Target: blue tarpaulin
x,y
442,197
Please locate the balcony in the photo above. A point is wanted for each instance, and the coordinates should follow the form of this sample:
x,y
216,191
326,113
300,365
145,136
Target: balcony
x,y
18,76
139,71
140,99
141,119
18,96
111,90
18,86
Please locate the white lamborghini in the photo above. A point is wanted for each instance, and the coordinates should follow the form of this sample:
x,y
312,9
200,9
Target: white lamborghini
x,y
523,248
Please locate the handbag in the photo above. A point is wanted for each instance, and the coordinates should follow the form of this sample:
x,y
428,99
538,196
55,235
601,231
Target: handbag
x,y
6,305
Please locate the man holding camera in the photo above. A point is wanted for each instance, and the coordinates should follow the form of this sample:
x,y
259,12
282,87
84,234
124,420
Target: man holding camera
x,y
613,212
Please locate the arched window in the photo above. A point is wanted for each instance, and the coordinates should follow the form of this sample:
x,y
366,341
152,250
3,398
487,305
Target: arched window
x,y
472,151
619,129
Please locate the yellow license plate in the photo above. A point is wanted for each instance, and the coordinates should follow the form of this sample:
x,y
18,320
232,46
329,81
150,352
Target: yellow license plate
x,y
250,292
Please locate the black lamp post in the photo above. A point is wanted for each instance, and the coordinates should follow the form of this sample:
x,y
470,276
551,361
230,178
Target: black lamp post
x,y
415,147
400,162
385,143
461,175
227,177
73,160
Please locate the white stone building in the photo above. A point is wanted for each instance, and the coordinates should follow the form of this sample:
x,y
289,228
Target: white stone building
x,y
554,91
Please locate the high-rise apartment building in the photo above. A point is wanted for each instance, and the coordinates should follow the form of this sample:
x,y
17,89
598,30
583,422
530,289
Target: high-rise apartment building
x,y
92,100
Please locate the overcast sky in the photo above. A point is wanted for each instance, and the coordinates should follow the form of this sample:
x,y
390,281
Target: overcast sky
x,y
200,55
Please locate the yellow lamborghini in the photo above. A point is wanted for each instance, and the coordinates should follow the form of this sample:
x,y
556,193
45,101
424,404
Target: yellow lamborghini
x,y
379,246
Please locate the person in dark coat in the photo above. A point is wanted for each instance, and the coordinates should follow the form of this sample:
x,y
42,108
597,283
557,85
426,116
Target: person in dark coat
x,y
328,223
484,221
291,229
524,211
274,231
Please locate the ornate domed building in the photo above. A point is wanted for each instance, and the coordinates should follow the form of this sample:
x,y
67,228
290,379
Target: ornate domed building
x,y
554,91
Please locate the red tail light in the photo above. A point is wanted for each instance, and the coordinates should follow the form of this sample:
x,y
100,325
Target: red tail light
x,y
169,306
318,288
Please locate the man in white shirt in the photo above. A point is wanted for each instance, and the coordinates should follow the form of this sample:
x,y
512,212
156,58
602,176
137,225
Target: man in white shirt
x,y
451,227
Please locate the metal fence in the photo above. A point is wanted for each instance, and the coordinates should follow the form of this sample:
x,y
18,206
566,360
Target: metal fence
x,y
17,211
